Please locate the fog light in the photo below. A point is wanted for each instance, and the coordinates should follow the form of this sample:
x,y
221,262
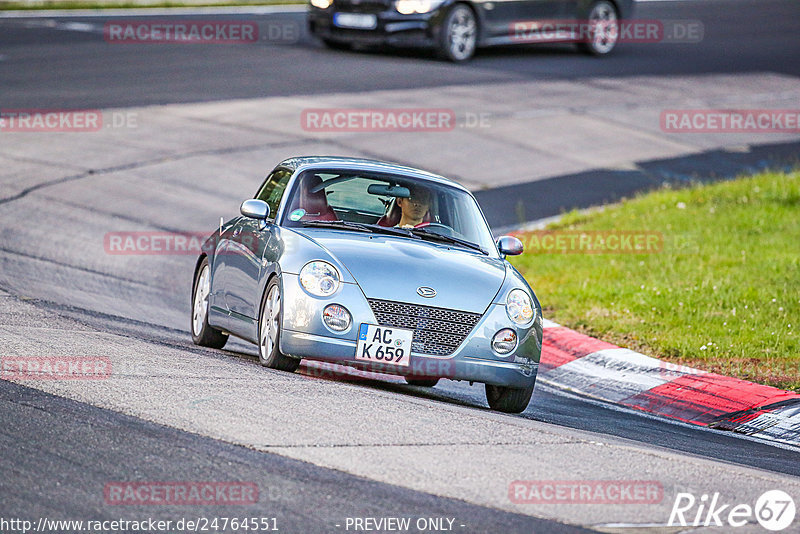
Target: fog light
x,y
336,317
504,341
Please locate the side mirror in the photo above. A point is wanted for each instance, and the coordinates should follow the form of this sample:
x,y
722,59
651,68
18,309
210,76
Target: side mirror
x,y
509,245
255,209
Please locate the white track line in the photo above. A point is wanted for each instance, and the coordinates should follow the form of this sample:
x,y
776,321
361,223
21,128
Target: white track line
x,y
155,11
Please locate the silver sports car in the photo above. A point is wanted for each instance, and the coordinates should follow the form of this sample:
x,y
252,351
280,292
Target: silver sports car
x,y
373,265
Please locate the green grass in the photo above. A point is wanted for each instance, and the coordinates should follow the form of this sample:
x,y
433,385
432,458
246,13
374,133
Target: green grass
x,y
722,294
124,4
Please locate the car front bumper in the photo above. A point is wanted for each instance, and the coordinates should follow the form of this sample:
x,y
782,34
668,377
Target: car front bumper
x,y
304,335
393,28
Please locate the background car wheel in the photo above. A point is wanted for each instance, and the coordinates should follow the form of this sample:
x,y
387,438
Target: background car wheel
x,y
508,400
336,45
422,382
269,331
604,29
204,334
459,34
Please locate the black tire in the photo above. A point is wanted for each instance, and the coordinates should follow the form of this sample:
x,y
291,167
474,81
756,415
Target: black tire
x,y
508,400
604,14
422,382
269,354
458,35
336,45
204,334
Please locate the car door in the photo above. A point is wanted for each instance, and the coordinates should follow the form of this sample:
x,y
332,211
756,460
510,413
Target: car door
x,y
245,259
505,18
217,305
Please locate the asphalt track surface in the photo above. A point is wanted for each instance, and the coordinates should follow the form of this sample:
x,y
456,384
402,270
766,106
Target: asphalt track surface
x,y
46,64
82,448
55,448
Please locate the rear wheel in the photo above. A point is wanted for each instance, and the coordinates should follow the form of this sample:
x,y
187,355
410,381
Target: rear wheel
x,y
459,34
603,29
204,334
269,331
422,382
508,400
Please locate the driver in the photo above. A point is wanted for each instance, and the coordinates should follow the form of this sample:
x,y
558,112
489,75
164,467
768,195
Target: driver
x,y
414,208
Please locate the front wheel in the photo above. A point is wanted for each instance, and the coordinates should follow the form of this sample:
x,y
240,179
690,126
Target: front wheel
x,y
204,334
269,331
603,29
459,34
508,400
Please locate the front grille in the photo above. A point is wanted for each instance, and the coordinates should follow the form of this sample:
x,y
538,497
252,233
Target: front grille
x,y
437,331
362,6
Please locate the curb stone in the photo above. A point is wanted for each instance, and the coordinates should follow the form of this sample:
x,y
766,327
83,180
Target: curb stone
x,y
594,368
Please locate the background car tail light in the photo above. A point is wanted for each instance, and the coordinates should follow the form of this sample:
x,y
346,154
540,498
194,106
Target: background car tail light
x,y
336,317
504,341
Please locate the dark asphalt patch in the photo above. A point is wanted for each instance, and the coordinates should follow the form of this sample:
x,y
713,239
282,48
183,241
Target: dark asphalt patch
x,y
516,204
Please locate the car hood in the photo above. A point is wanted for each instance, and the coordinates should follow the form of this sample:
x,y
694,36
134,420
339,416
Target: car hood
x,y
393,268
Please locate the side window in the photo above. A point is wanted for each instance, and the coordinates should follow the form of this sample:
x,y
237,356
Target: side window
x,y
273,188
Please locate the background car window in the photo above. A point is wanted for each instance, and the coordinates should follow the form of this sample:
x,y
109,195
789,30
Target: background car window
x,y
273,188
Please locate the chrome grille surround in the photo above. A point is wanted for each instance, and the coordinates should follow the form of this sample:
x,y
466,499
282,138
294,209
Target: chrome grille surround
x,y
437,331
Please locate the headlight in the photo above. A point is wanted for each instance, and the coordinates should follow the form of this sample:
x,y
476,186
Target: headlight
x,y
322,4
519,306
336,317
320,278
407,7
504,341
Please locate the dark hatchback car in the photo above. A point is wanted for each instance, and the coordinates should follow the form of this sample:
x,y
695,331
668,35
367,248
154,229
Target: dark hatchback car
x,y
455,28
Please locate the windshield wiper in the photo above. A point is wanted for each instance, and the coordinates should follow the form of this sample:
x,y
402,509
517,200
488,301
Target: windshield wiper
x,y
391,230
423,232
361,227
339,224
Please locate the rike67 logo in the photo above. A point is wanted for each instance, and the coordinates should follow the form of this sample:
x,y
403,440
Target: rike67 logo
x,y
774,510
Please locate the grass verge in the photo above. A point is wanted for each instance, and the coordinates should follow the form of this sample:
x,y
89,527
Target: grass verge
x,y
718,289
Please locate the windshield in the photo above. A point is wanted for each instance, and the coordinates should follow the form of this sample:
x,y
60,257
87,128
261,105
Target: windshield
x,y
386,201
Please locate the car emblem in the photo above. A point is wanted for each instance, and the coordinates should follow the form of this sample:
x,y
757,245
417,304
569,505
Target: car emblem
x,y
426,292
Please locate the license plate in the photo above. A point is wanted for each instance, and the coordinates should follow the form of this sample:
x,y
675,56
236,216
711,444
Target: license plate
x,y
384,344
360,21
